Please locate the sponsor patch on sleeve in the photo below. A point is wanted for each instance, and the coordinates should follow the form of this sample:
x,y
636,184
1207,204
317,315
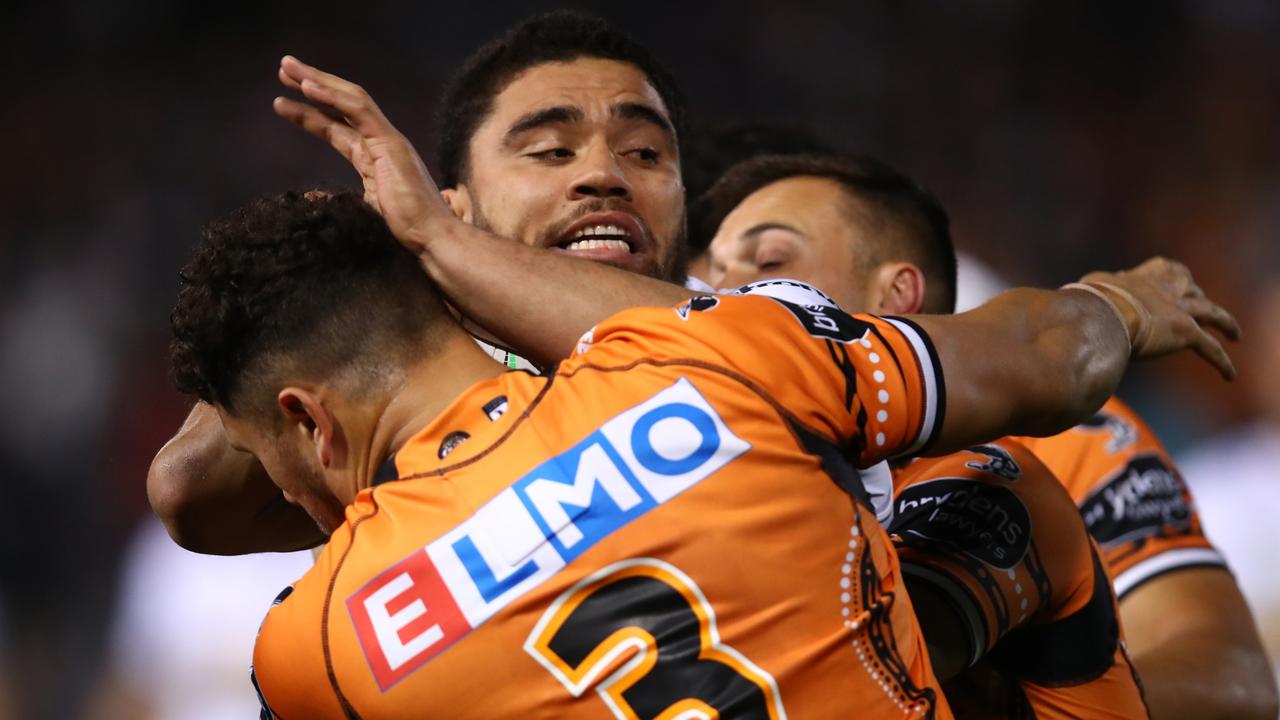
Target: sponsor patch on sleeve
x,y
701,303
817,312
989,523
999,462
1123,434
788,291
1142,499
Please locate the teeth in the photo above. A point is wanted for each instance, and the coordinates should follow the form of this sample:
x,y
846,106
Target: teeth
x,y
594,244
602,231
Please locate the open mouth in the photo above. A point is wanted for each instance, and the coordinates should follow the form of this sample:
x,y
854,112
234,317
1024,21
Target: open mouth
x,y
599,237
613,237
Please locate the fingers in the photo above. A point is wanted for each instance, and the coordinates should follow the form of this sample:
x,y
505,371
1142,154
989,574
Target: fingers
x,y
346,97
1183,315
287,80
1208,313
338,134
1208,347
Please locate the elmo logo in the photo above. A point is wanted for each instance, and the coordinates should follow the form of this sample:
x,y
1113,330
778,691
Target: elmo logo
x,y
645,456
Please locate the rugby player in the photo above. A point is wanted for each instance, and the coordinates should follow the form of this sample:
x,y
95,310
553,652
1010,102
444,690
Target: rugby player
x,y
556,125
616,197
371,144
669,524
877,242
1111,690
460,205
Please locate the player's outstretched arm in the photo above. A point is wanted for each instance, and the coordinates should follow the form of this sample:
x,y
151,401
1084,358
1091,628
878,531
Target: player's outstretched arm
x,y
215,499
1193,640
1031,361
1034,362
536,301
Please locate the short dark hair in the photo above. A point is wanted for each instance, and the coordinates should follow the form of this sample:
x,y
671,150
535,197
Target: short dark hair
x,y
709,152
313,283
559,36
922,221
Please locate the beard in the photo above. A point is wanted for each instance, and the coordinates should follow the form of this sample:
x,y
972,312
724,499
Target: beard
x,y
669,261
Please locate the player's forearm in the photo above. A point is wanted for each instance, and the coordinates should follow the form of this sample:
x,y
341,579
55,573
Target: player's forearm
x,y
1029,362
1192,637
537,301
214,499
1216,680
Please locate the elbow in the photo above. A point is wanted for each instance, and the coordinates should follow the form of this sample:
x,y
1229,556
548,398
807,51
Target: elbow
x,y
171,492
165,491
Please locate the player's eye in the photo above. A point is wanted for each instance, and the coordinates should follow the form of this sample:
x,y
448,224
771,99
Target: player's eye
x,y
646,155
552,154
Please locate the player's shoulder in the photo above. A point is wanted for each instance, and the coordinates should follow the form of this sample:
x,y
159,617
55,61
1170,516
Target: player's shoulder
x,y
1112,441
1004,471
724,325
284,618
288,654
1115,430
1005,459
769,311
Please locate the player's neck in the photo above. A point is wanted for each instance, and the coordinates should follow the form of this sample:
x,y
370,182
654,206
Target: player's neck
x,y
429,387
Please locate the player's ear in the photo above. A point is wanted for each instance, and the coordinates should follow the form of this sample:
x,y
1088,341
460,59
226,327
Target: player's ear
x,y
308,417
459,201
896,288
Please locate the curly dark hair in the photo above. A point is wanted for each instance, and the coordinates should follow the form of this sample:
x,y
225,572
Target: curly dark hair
x,y
920,226
559,36
311,283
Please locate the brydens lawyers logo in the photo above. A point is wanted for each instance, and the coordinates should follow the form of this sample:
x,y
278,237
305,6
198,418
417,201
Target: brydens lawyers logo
x,y
645,456
1139,499
987,522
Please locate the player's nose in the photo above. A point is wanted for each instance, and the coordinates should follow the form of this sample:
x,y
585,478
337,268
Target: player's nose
x,y
600,175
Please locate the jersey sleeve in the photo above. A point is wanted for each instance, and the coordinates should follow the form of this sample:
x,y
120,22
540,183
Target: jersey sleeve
x,y
871,385
992,531
1134,501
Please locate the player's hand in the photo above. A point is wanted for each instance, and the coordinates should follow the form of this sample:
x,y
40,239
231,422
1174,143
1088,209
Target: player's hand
x,y
396,182
1166,312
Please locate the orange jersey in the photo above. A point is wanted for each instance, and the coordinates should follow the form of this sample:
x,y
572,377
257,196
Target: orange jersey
x,y
992,529
670,525
1134,501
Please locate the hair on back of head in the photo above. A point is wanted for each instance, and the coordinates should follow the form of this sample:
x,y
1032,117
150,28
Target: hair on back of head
x,y
711,150
916,227
307,284
558,36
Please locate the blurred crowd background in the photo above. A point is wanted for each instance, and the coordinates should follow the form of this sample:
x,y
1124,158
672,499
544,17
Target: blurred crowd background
x,y
1063,137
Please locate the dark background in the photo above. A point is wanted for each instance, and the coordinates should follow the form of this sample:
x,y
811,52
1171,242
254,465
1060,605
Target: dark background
x,y
1062,136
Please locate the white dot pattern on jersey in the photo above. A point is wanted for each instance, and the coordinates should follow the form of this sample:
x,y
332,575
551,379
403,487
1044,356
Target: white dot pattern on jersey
x,y
846,611
1017,588
882,395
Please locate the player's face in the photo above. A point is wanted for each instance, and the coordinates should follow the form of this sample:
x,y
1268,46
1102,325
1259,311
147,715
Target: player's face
x,y
581,156
291,463
797,228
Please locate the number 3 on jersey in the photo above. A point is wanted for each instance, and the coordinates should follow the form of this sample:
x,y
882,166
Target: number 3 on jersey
x,y
678,667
